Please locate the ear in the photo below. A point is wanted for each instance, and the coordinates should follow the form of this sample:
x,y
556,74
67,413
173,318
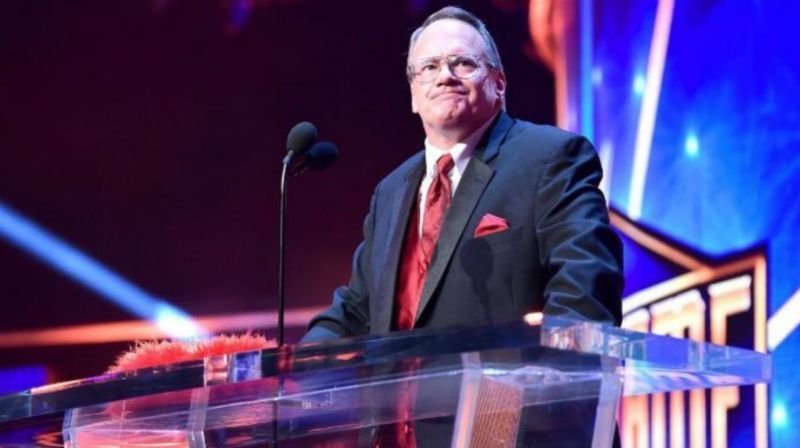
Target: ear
x,y
500,83
414,107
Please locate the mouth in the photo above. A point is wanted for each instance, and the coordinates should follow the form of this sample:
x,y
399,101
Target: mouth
x,y
449,94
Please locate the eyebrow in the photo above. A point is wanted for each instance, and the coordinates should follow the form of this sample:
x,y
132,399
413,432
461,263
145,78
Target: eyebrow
x,y
431,58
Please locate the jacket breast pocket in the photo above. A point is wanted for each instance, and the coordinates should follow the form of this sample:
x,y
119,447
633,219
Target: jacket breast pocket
x,y
491,256
500,241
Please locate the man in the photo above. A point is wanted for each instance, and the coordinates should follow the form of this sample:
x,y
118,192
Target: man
x,y
496,218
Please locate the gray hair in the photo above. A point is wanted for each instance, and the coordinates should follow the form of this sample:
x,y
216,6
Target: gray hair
x,y
456,13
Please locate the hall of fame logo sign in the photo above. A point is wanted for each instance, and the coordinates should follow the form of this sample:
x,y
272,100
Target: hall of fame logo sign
x,y
723,302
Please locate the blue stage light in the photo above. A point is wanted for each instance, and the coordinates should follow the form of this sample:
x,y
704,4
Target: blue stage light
x,y
30,237
692,145
779,417
21,378
179,324
597,76
639,84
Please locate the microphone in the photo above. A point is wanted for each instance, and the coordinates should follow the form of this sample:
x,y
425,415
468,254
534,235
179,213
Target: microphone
x,y
299,140
319,157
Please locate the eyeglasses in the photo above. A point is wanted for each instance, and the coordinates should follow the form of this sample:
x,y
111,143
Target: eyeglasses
x,y
460,65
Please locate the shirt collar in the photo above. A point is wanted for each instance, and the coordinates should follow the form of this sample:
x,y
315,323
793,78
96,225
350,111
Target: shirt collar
x,y
461,151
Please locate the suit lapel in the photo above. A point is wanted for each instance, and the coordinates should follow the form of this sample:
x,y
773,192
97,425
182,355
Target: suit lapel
x,y
399,211
470,189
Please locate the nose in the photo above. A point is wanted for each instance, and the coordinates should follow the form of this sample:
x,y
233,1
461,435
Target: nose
x,y
444,73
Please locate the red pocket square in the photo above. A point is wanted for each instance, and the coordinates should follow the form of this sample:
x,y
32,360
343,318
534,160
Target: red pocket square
x,y
490,224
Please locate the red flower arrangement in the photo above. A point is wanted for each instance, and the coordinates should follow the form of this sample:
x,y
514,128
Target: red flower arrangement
x,y
154,353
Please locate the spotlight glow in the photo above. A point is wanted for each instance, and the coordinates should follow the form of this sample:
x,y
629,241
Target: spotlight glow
x,y
692,145
80,267
639,83
175,322
779,417
597,76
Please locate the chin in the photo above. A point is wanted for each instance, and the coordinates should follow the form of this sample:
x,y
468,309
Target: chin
x,y
448,118
453,116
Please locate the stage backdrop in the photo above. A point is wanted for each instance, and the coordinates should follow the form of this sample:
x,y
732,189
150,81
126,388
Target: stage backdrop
x,y
693,108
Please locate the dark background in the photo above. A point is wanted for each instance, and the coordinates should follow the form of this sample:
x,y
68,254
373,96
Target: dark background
x,y
149,135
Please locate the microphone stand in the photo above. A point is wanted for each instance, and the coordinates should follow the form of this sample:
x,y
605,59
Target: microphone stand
x,y
301,137
281,290
282,253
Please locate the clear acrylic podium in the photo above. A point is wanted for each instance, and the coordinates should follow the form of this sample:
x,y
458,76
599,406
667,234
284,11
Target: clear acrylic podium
x,y
555,383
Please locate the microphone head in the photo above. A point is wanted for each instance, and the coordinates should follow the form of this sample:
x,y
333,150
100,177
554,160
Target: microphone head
x,y
301,137
321,155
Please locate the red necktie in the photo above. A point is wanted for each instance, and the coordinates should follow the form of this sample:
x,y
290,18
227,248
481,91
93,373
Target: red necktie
x,y
436,204
417,253
418,250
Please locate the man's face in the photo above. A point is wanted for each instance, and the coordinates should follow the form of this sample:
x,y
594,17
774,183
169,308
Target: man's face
x,y
448,104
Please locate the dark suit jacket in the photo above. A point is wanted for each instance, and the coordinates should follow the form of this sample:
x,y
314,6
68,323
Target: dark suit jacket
x,y
559,256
